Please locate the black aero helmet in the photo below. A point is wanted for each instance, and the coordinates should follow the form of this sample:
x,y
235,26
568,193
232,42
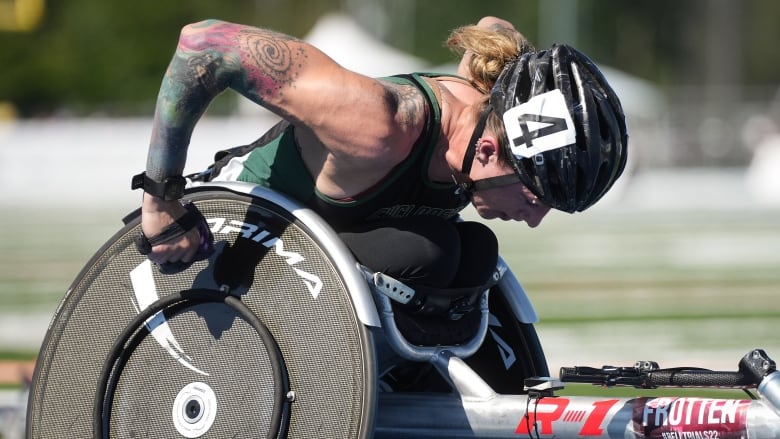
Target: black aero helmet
x,y
566,130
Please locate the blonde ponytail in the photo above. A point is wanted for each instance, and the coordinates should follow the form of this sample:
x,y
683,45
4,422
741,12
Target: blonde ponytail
x,y
489,48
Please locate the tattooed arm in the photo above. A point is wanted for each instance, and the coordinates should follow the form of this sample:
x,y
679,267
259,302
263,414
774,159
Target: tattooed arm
x,y
292,79
212,56
283,74
286,75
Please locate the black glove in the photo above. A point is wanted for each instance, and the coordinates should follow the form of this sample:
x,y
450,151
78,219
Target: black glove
x,y
192,218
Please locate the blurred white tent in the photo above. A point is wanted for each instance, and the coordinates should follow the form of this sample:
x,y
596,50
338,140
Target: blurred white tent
x,y
344,40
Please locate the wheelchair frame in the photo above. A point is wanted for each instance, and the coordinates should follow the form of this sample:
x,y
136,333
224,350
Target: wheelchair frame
x,y
475,410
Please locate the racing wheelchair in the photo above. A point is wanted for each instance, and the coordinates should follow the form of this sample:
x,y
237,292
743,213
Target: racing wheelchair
x,y
280,333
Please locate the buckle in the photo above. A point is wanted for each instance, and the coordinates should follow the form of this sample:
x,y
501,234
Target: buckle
x,y
172,188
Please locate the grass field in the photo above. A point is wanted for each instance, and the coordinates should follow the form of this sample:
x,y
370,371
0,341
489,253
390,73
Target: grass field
x,y
612,286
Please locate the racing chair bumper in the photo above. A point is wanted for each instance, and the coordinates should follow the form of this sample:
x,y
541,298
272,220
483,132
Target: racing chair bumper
x,y
400,293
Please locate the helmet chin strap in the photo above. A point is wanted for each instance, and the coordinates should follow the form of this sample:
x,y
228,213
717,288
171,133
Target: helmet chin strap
x,y
466,188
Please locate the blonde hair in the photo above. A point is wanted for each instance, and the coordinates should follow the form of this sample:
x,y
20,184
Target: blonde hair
x,y
491,48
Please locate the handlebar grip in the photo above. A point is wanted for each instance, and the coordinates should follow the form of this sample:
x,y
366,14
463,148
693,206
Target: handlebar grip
x,y
699,378
753,368
658,378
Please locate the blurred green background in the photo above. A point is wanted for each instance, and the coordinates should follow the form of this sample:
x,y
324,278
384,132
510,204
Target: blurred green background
x,y
84,56
681,266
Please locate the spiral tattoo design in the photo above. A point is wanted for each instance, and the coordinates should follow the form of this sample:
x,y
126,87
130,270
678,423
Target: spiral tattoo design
x,y
272,57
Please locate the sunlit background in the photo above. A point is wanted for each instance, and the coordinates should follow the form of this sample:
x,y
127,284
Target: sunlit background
x,y
679,264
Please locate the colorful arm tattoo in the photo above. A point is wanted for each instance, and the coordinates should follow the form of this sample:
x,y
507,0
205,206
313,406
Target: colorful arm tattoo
x,y
211,57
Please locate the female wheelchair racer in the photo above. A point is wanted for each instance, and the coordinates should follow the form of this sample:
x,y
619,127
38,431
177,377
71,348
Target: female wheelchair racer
x,y
279,333
390,162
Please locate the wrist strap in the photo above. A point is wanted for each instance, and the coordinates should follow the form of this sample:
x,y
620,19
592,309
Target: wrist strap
x,y
182,225
191,219
172,188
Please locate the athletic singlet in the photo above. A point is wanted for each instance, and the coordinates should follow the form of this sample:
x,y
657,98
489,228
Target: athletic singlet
x,y
274,161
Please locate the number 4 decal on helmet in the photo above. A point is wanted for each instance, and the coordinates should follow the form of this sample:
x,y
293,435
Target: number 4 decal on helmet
x,y
543,123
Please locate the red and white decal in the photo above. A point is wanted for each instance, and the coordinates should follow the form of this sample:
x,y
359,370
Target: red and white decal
x,y
547,411
690,418
650,418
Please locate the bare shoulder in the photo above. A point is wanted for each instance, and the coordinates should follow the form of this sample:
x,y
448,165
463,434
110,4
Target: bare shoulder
x,y
370,131
375,125
370,119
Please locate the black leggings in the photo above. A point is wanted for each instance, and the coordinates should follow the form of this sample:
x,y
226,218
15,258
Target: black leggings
x,y
427,250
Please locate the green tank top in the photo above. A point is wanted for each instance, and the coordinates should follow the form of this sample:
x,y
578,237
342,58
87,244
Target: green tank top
x,y
274,161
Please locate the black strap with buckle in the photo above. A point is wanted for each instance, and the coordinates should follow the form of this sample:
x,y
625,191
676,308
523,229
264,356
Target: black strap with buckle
x,y
172,188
